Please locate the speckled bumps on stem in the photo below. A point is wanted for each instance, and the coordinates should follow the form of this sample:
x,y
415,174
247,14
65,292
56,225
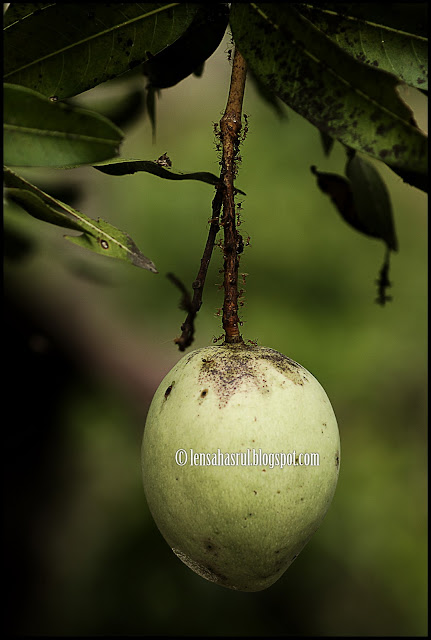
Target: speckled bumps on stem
x,y
230,126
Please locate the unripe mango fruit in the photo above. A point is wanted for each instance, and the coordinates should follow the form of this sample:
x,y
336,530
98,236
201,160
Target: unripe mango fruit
x,y
239,525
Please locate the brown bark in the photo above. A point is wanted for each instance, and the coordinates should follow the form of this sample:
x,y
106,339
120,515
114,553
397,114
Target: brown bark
x,y
230,126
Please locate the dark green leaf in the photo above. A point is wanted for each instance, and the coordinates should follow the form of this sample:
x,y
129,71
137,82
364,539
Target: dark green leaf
x,y
369,39
19,10
339,189
42,133
190,51
350,101
123,167
40,209
363,202
418,180
186,55
371,200
408,17
65,48
97,235
361,199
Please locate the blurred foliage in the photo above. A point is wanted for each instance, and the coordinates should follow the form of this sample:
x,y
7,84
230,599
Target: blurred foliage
x,y
84,556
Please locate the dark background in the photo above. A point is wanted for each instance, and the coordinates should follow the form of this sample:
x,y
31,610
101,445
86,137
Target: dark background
x,y
87,341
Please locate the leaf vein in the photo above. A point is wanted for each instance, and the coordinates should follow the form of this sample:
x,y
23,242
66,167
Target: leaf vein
x,y
100,34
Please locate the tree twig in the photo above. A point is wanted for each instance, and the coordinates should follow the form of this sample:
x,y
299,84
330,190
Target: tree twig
x,y
193,305
230,126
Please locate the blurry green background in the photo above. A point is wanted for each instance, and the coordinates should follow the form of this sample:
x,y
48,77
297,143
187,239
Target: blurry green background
x,y
89,339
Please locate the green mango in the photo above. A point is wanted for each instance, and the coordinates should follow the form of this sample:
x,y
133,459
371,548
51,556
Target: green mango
x,y
225,499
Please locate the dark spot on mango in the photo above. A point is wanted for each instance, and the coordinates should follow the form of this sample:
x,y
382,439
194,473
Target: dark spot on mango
x,y
210,547
168,390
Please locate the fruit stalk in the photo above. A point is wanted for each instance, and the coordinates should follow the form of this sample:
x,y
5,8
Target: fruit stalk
x,y
192,305
230,126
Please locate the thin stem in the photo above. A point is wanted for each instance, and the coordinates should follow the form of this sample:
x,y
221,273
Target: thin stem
x,y
230,126
193,305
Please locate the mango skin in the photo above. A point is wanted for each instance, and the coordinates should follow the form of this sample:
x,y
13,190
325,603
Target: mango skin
x,y
239,526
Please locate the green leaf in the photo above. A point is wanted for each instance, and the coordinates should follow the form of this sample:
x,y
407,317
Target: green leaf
x,y
19,10
371,200
109,241
350,101
418,180
361,199
123,167
339,189
64,49
370,37
190,51
98,236
408,17
41,133
40,209
186,55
